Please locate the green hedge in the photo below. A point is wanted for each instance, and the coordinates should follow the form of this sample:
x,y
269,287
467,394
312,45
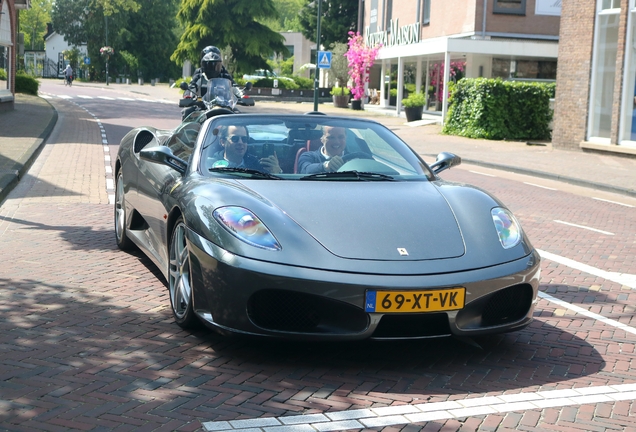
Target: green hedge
x,y
3,75
496,109
26,84
282,84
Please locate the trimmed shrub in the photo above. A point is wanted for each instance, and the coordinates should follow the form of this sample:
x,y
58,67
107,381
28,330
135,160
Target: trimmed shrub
x,y
499,110
26,84
304,83
414,100
282,84
3,75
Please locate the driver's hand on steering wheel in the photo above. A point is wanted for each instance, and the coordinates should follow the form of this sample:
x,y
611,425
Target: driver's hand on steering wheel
x,y
333,164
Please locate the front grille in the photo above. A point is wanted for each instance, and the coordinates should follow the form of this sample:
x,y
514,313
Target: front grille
x,y
290,311
413,326
507,305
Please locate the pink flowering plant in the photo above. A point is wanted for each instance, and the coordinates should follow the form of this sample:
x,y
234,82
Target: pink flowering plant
x,y
360,58
436,75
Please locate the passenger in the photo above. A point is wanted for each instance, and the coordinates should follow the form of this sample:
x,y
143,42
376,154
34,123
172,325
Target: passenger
x,y
328,157
234,141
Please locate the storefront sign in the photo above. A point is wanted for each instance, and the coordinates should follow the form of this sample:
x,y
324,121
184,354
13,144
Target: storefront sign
x,y
405,35
548,7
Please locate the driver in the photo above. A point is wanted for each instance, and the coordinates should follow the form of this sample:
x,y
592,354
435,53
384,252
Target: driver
x,y
234,154
329,156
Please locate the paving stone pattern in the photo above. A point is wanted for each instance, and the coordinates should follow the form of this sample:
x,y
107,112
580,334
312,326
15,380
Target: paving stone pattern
x,y
88,341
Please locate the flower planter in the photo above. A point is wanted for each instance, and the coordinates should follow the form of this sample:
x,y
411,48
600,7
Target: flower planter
x,y
356,104
413,113
341,101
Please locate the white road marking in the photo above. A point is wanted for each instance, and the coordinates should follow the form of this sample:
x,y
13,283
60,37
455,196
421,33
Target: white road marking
x,y
84,97
584,227
539,186
418,413
481,173
106,98
613,202
621,278
587,313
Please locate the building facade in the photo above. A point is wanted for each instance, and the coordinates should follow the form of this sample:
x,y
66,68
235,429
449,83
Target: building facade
x,y
595,104
511,39
8,18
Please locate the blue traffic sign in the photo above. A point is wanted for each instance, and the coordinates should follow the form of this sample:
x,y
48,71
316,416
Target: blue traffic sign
x,y
324,59
87,60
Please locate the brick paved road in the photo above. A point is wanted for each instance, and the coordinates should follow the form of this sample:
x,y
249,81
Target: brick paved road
x,y
88,341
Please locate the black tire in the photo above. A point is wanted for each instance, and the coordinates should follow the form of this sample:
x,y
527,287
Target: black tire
x,y
179,281
120,217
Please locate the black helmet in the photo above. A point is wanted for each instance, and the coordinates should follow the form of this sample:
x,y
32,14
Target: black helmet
x,y
209,49
211,65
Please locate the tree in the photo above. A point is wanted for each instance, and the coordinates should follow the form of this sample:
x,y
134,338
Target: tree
x,y
33,23
288,16
140,31
339,17
229,23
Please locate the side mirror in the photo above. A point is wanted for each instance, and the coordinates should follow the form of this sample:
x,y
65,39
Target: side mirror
x,y
163,156
248,86
444,161
183,85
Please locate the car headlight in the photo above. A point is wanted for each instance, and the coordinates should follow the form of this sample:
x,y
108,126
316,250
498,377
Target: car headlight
x,y
508,229
245,226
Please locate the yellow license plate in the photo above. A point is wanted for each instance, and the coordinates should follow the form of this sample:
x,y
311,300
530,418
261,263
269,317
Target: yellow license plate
x,y
415,301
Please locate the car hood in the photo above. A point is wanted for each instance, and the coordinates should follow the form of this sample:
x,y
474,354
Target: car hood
x,y
370,220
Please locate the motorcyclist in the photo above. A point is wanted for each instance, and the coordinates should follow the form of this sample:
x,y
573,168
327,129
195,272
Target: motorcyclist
x,y
211,66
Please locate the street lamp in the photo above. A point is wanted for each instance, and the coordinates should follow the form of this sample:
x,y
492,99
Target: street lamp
x,y
316,76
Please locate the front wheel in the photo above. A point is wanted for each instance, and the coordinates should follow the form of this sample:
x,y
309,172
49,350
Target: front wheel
x,y
121,236
179,278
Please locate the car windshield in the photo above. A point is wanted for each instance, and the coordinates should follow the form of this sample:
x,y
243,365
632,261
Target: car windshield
x,y
306,147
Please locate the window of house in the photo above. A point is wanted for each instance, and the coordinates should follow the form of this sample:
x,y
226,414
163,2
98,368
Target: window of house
x,y
388,14
603,72
426,12
4,67
610,4
628,106
517,7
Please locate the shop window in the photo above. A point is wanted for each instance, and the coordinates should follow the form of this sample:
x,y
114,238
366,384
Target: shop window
x,y
628,108
516,7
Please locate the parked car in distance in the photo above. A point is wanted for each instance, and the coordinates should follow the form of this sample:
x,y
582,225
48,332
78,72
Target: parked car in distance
x,y
263,73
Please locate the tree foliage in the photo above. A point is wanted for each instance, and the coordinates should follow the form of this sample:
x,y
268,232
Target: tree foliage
x,y
229,23
33,23
143,29
338,18
288,16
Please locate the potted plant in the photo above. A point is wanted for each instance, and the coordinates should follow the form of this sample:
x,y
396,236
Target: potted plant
x,y
413,106
360,58
340,97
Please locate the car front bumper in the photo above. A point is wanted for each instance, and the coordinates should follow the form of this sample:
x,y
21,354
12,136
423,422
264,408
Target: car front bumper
x,y
242,295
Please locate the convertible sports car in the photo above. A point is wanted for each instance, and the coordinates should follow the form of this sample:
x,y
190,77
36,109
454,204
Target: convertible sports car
x,y
381,248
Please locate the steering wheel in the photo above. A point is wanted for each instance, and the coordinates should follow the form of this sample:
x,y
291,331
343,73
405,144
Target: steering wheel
x,y
356,155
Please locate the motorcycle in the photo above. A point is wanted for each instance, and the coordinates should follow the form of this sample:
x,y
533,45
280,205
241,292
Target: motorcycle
x,y
219,95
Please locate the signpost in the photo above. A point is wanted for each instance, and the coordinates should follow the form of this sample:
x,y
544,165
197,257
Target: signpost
x,y
324,59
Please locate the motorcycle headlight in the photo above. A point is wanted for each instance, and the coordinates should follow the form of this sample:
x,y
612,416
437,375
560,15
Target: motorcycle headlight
x,y
508,229
245,226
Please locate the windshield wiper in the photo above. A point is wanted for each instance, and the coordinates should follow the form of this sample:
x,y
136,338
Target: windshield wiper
x,y
358,175
251,172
